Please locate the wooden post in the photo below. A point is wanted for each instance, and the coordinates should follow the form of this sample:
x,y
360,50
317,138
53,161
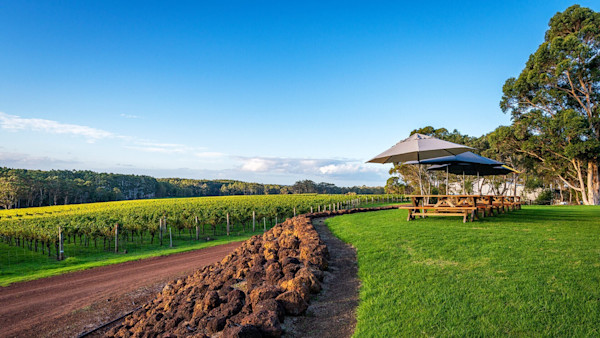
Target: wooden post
x,y
117,238
61,240
227,224
265,224
294,211
197,229
311,210
275,219
170,239
253,220
160,234
319,208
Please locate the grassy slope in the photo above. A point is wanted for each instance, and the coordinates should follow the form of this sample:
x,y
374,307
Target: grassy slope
x,y
19,264
531,272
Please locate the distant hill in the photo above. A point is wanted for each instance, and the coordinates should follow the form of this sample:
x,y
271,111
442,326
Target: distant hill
x,y
28,188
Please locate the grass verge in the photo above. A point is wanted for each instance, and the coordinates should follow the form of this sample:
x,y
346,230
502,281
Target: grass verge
x,y
535,271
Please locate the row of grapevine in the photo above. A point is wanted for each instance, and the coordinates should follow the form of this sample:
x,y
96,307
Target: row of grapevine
x,y
39,227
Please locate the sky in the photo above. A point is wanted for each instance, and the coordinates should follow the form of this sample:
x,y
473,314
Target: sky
x,y
260,91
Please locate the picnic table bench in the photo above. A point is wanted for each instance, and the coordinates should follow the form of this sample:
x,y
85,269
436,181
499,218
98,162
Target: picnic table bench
x,y
467,206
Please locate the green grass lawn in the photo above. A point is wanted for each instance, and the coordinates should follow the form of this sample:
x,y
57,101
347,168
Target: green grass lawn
x,y
20,264
531,272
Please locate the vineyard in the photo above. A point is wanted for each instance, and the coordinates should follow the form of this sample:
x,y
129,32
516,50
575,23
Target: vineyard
x,y
115,226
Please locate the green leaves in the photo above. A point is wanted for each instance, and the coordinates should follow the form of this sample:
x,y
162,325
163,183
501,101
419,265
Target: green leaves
x,y
555,101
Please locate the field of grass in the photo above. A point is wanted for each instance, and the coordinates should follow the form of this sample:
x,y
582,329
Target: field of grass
x,y
19,264
532,272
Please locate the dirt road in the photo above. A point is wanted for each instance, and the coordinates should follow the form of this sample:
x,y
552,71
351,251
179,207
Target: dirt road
x,y
73,303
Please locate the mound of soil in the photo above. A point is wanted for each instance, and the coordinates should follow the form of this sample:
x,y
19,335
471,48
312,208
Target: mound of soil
x,y
248,293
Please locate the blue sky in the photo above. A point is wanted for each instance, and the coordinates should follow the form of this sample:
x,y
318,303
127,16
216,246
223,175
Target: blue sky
x,y
265,91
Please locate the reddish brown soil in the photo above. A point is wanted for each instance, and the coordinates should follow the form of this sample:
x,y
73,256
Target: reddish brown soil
x,y
332,313
73,303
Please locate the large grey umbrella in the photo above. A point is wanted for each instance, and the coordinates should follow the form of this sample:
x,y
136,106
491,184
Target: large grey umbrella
x,y
419,147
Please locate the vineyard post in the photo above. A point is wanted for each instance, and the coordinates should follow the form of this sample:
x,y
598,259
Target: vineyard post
x,y
275,220
117,238
311,209
61,253
319,208
265,224
227,224
197,229
170,238
160,228
253,220
294,211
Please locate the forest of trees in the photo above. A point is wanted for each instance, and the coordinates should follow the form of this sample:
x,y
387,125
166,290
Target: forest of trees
x,y
32,188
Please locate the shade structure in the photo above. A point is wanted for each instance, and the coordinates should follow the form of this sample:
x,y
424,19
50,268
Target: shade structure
x,y
466,158
419,147
473,169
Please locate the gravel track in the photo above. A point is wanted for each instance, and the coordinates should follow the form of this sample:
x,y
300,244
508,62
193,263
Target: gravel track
x,y
69,304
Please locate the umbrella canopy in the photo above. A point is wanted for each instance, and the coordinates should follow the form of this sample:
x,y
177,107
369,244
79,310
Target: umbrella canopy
x,y
473,169
466,157
419,147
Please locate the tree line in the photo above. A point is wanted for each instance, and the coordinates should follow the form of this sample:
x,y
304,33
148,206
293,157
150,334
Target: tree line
x,y
35,188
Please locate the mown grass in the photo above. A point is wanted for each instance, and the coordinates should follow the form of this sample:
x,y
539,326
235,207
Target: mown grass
x,y
20,264
532,272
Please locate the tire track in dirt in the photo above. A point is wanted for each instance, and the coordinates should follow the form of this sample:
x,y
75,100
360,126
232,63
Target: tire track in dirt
x,y
45,307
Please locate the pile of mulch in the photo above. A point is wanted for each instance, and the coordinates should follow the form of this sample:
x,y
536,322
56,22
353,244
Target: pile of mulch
x,y
248,293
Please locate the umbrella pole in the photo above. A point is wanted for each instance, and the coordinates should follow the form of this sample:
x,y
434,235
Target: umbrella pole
x,y
478,190
420,181
463,182
447,180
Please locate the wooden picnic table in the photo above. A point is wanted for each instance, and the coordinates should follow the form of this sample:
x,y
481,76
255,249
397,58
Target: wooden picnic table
x,y
460,205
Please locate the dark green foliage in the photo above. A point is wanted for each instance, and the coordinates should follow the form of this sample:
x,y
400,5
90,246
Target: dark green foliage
x,y
544,198
555,102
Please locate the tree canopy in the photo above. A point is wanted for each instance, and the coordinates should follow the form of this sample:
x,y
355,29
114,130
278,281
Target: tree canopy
x,y
554,102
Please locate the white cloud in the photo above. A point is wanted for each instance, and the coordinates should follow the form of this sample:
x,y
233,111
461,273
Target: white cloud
x,y
339,168
321,167
16,123
257,164
351,168
164,148
129,116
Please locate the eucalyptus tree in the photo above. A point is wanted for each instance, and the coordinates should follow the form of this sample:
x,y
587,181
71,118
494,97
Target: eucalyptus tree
x,y
555,102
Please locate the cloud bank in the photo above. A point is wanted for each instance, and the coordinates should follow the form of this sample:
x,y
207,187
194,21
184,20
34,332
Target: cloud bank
x,y
16,123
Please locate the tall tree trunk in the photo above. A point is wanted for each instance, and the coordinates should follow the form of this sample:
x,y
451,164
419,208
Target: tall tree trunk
x,y
593,184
